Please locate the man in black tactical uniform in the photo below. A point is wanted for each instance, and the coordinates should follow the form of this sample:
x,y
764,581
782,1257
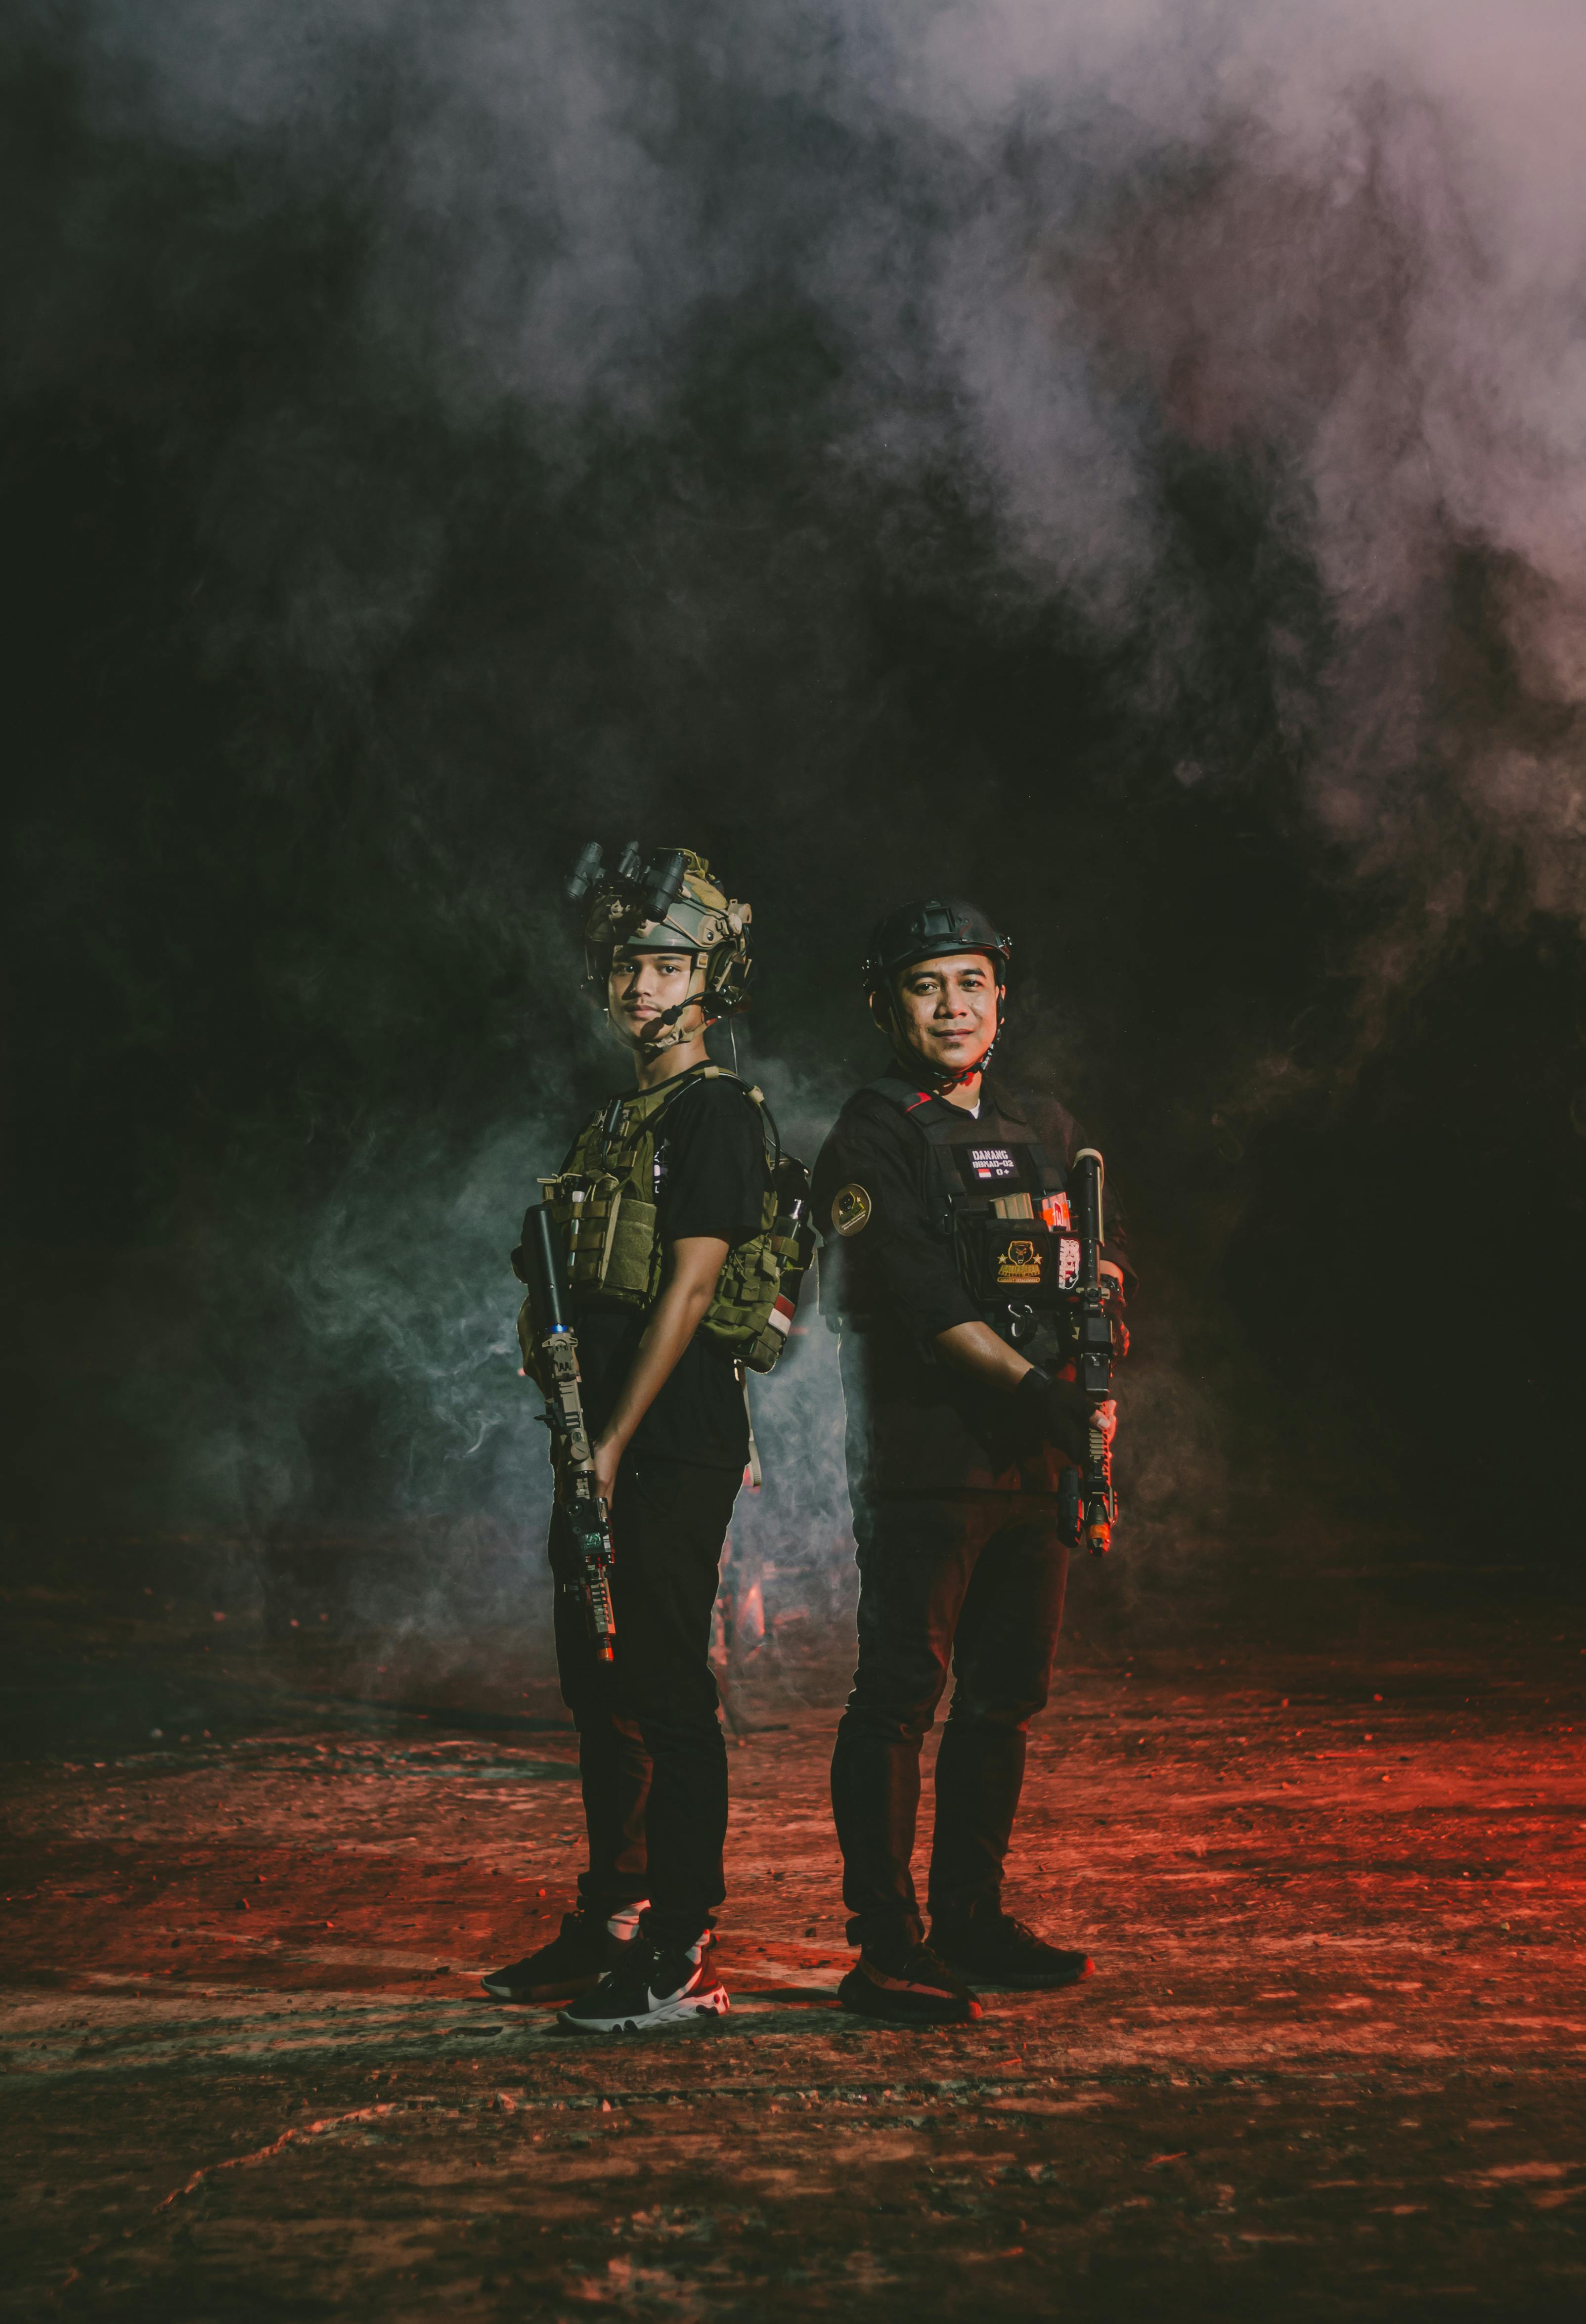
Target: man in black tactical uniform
x,y
959,1423
666,1410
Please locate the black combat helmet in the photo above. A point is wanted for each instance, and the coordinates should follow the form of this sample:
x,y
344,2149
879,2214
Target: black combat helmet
x,y
930,928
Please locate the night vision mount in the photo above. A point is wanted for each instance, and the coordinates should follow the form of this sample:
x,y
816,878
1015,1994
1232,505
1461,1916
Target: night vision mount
x,y
648,890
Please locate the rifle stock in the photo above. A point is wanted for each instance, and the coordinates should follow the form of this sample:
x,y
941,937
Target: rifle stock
x,y
585,1513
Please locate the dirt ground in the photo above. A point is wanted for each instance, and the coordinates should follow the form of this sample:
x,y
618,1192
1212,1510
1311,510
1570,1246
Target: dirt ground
x,y
1331,2062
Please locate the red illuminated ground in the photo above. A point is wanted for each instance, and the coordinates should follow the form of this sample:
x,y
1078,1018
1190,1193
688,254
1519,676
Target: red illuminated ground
x,y
1331,2063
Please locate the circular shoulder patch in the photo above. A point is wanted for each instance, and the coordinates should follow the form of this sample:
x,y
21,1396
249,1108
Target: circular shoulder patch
x,y
851,1208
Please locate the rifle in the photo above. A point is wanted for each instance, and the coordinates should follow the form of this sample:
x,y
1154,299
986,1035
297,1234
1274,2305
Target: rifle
x,y
587,1516
1093,1353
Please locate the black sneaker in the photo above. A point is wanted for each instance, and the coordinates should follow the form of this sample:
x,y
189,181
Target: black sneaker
x,y
991,1945
910,1984
654,1984
573,1962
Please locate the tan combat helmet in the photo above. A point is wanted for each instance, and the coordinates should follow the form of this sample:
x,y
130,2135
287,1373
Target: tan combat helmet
x,y
667,902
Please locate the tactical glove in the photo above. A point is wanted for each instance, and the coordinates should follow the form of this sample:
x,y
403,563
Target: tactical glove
x,y
1056,1412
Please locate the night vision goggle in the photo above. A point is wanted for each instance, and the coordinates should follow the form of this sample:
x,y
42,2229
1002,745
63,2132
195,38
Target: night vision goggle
x,y
649,890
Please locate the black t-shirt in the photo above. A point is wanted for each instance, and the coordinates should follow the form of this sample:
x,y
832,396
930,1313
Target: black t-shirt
x,y
915,1426
710,1154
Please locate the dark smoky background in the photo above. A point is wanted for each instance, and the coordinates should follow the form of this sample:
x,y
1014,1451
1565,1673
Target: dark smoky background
x,y
1123,463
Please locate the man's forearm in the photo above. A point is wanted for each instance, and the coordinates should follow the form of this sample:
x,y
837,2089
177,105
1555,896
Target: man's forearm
x,y
675,1318
976,1348
673,1322
1063,1412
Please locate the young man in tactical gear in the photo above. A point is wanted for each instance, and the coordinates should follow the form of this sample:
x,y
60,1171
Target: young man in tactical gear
x,y
959,1423
685,1165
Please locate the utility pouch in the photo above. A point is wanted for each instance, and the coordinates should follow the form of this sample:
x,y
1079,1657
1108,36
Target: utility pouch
x,y
757,1296
1015,1262
605,1230
608,1232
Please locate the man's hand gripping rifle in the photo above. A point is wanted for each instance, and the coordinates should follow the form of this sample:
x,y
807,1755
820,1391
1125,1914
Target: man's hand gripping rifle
x,y
1093,1344
586,1515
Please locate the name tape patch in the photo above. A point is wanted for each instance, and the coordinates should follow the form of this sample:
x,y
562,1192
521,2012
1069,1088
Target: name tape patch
x,y
993,1162
992,1166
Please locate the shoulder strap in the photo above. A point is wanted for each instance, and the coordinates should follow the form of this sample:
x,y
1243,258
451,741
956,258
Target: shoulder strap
x,y
935,1125
670,1092
913,1103
581,1133
645,1108
937,1128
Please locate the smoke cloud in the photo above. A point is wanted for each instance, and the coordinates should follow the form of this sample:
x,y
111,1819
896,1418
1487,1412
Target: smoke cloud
x,y
1128,459
1039,239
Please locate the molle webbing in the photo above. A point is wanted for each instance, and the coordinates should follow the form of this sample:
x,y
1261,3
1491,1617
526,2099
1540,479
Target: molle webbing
x,y
603,1197
604,1201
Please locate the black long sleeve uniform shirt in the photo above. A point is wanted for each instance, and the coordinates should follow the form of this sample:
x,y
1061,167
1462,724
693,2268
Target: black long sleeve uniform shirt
x,y
915,1423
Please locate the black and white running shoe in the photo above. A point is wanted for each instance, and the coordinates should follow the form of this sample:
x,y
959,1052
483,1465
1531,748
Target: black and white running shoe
x,y
654,1985
574,1960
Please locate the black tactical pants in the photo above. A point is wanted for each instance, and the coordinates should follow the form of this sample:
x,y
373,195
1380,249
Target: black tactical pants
x,y
980,1585
651,1756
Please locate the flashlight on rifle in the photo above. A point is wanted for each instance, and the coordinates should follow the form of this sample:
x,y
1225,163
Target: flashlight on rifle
x,y
1093,1345
588,1518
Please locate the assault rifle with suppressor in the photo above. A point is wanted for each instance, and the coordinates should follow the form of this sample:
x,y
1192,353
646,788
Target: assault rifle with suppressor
x,y
587,1518
1089,1502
